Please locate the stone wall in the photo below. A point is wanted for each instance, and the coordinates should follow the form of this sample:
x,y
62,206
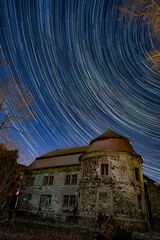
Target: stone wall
x,y
113,196
152,193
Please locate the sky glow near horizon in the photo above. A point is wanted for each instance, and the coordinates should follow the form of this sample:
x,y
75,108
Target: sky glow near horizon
x,y
86,69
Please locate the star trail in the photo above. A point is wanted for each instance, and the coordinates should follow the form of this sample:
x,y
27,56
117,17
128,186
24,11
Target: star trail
x,y
86,68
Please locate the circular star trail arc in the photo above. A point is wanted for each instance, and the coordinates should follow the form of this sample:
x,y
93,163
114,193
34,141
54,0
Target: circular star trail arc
x,y
86,69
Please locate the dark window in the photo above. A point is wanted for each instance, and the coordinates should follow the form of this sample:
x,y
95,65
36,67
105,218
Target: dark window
x,y
29,197
45,200
68,178
30,181
66,200
104,169
74,179
51,179
137,174
27,181
72,200
69,200
139,198
45,180
48,180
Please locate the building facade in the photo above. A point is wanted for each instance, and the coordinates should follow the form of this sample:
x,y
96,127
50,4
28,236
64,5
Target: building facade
x,y
100,184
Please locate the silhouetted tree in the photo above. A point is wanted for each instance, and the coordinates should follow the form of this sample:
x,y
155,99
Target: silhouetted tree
x,y
15,106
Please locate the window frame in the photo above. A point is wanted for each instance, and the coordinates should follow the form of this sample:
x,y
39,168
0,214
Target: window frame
x,y
45,181
103,168
139,201
29,197
74,179
44,200
137,174
68,179
65,200
51,180
72,200
69,200
30,180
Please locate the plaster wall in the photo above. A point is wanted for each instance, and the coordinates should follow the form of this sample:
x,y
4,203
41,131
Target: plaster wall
x,y
57,190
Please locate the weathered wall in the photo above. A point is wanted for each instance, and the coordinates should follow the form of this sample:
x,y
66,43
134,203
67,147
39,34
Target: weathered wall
x,y
152,193
57,190
113,196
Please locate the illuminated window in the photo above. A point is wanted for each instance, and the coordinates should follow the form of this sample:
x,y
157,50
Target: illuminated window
x,y
68,178
137,174
74,179
104,169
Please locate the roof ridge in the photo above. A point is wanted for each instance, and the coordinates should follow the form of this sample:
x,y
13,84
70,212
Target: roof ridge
x,y
65,151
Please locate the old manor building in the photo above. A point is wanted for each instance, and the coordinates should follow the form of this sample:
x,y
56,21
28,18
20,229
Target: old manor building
x,y
100,182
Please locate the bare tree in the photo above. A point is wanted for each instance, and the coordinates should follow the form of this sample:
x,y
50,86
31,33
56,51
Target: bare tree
x,y
15,108
15,104
149,11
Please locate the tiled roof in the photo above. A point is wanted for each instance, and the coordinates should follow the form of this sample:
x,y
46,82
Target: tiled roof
x,y
65,151
58,158
111,141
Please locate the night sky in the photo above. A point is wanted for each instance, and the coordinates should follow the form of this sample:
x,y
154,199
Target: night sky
x,y
87,68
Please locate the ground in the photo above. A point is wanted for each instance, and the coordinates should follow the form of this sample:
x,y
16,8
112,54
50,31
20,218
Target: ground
x,y
29,231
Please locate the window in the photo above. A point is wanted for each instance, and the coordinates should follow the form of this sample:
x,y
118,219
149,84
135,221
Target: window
x,y
27,181
104,195
69,200
137,174
51,179
104,169
30,181
71,179
45,180
29,197
139,198
45,200
48,180
66,200
72,200
74,179
68,178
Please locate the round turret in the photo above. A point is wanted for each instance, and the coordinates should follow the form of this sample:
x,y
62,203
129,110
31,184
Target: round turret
x,y
112,185
111,141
